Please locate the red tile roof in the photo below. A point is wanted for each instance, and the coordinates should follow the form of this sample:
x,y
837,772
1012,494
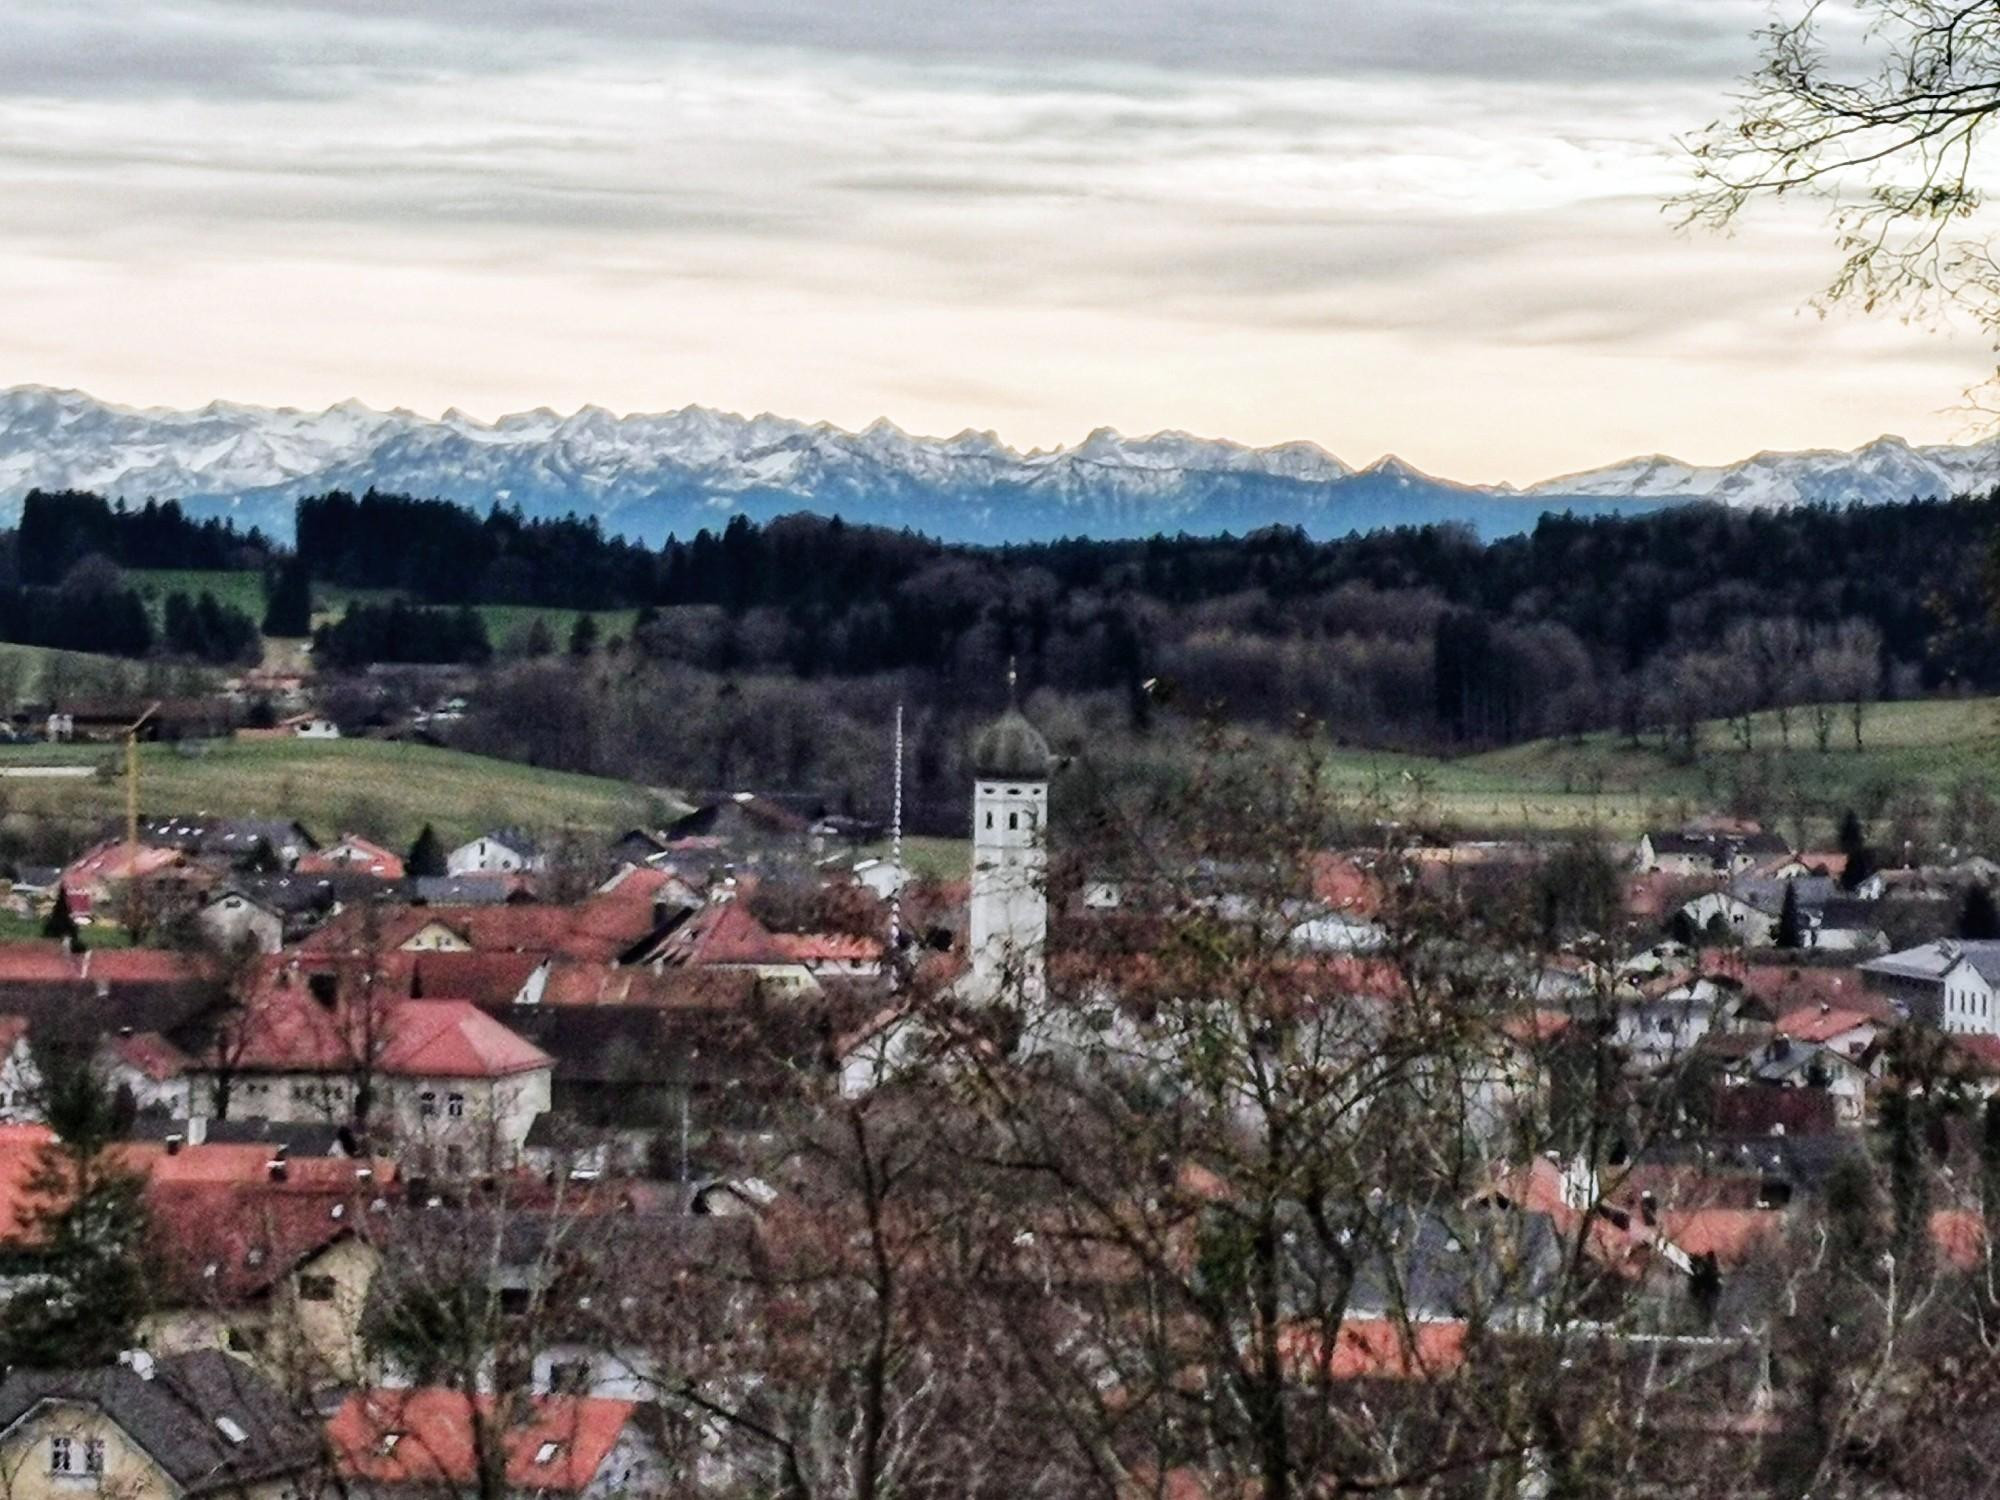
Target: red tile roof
x,y
454,1039
1732,1235
149,1053
1375,1348
483,978
1959,1235
287,1031
1343,885
51,963
583,983
425,1436
828,947
1813,1023
723,932
353,854
224,1241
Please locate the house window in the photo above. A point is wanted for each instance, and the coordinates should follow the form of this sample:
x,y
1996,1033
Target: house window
x,y
454,1105
569,1377
315,1288
454,1160
513,1302
62,1455
1013,820
93,1455
427,1103
989,819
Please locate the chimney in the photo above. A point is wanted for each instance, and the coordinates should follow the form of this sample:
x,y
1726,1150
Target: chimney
x,y
1824,1008
174,1143
277,1170
138,1361
1649,1209
124,1031
364,1174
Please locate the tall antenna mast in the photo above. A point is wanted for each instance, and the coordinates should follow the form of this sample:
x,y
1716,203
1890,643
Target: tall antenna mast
x,y
896,845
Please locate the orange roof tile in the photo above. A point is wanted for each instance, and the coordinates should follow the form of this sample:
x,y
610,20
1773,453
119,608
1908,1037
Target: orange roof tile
x,y
1815,1023
1376,1348
352,853
1959,1235
454,1039
828,947
723,932
149,1053
425,1436
483,978
1732,1235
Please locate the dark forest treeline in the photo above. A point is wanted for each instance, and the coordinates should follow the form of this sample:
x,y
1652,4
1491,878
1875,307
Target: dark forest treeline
x,y
59,530
401,633
1419,637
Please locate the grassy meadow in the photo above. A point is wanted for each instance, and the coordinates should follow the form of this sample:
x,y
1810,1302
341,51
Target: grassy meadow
x,y
385,790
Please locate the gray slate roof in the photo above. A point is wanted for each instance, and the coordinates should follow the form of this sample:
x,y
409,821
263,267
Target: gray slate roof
x,y
173,1416
1931,961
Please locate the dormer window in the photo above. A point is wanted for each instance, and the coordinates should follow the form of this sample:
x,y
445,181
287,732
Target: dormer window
x,y
388,1443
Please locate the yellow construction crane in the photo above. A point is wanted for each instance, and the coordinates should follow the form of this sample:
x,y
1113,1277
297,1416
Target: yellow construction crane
x,y
132,781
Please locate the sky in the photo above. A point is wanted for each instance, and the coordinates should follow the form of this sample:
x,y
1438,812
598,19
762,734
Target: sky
x,y
1432,227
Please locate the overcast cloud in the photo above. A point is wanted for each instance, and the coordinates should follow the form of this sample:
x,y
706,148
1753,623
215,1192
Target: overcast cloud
x,y
1432,227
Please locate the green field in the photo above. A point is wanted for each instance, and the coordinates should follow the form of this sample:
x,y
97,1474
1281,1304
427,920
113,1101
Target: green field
x,y
35,674
241,588
387,791
244,589
1919,748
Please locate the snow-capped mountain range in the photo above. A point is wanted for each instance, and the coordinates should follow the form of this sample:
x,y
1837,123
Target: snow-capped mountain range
x,y
649,474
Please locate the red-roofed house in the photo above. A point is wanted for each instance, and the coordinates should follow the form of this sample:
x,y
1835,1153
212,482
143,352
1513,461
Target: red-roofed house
x,y
258,1252
148,1068
455,1088
1733,1236
1847,1031
391,1443
94,878
352,854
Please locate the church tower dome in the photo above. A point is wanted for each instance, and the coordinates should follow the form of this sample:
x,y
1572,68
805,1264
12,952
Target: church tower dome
x,y
1009,916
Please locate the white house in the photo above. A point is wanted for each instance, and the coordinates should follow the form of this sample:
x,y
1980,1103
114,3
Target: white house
x,y
230,918
505,851
150,1070
1662,1023
20,1079
453,1088
1948,984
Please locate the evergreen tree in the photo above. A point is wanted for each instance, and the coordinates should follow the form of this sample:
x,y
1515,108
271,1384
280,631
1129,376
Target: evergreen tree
x,y
1851,838
87,1227
1861,862
288,611
61,922
1979,918
539,640
583,635
426,855
1791,933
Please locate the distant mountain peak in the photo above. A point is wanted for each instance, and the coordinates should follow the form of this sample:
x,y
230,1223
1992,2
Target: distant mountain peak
x,y
651,473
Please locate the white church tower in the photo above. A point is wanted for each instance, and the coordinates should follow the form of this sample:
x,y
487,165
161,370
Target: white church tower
x,y
1010,860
